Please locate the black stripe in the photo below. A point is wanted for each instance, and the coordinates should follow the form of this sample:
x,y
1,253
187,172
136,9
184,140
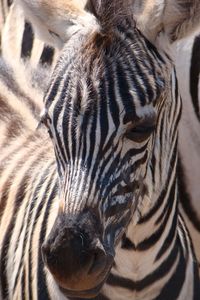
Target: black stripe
x,y
6,242
159,202
185,196
6,75
133,66
31,254
124,89
170,237
104,163
153,49
65,122
57,78
32,189
127,244
27,41
112,100
104,125
3,12
103,184
42,291
29,211
47,56
194,75
166,207
155,237
93,126
159,273
172,289
23,285
112,168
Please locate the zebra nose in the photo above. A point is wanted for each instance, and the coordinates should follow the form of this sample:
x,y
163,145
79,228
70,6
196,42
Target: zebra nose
x,y
75,261
74,253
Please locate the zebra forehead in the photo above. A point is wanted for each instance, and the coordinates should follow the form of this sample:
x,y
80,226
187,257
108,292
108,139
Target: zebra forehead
x,y
88,67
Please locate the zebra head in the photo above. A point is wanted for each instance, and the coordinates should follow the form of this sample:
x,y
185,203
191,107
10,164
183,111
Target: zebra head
x,y
112,111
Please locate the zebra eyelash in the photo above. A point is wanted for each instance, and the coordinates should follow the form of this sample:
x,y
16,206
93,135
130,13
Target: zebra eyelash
x,y
141,131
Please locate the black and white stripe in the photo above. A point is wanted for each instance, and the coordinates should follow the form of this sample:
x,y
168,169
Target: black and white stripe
x,y
188,70
4,9
112,110
18,38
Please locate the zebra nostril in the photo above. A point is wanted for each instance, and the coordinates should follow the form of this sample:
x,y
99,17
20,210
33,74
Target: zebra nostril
x,y
98,261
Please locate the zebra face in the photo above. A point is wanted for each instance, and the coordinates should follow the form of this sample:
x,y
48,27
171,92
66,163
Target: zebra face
x,y
103,106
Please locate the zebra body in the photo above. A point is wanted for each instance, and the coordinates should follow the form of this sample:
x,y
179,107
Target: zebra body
x,y
112,116
187,53
20,41
27,207
37,171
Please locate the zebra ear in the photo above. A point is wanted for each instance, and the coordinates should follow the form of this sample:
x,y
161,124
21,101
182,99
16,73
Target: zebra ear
x,y
175,18
56,21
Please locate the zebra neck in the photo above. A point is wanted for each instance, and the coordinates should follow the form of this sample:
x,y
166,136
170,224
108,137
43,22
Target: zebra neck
x,y
155,257
156,233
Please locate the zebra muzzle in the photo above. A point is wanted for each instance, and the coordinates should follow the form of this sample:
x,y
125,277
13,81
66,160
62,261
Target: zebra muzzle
x,y
76,257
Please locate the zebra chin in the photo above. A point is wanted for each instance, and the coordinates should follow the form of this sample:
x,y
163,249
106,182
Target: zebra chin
x,y
83,294
76,256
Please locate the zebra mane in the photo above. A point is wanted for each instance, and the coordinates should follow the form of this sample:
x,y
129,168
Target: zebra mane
x,y
111,13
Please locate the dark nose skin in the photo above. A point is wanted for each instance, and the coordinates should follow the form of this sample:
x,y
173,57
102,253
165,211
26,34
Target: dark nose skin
x,y
74,253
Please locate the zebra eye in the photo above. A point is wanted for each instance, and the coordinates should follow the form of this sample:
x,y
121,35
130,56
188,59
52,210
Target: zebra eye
x,y
140,132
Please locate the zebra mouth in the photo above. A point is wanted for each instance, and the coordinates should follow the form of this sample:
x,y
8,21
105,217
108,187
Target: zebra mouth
x,y
89,293
92,292
83,294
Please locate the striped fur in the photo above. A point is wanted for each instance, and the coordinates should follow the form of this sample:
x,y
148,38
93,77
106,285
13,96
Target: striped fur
x,y
108,88
19,40
56,21
187,56
4,9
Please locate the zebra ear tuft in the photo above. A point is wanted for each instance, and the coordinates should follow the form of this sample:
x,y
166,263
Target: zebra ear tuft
x,y
111,13
175,18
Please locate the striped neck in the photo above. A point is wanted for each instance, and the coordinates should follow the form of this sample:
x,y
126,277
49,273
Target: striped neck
x,y
155,258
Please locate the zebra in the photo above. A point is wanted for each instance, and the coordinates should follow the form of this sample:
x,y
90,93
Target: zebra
x,y
186,56
100,195
19,39
24,44
4,8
